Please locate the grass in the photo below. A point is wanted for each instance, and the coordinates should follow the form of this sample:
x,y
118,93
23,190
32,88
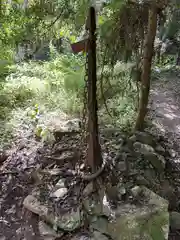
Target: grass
x,y
56,88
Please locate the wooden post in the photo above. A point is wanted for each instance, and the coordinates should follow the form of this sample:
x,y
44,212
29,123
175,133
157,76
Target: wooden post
x,y
94,157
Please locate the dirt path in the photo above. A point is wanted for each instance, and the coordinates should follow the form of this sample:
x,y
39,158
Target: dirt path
x,y
165,114
165,118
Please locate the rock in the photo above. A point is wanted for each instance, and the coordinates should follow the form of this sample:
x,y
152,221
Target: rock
x,y
59,193
143,137
88,189
142,148
132,138
172,153
99,236
67,222
122,166
167,191
140,180
121,160
100,224
121,192
60,183
150,175
70,221
174,220
72,125
160,149
148,221
33,205
136,191
47,233
156,160
110,132
97,207
81,237
95,235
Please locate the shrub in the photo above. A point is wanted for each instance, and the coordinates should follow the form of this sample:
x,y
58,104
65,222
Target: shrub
x,y
58,85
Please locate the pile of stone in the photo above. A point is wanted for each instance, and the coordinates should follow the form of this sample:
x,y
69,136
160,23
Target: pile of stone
x,y
136,207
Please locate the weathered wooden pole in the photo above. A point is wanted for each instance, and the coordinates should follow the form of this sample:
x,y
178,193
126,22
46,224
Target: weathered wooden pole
x,y
94,157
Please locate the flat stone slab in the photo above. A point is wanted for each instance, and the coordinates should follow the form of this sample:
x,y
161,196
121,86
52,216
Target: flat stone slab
x,y
149,220
68,221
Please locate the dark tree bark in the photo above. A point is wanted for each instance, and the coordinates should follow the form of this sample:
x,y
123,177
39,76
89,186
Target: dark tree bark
x,y
94,158
146,67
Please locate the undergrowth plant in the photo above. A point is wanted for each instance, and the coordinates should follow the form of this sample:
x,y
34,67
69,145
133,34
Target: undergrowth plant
x,y
42,88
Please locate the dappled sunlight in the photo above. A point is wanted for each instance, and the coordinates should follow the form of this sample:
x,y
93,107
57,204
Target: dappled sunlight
x,y
170,116
155,92
178,128
165,103
166,109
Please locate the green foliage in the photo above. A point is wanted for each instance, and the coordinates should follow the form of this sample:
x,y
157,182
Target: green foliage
x,y
58,85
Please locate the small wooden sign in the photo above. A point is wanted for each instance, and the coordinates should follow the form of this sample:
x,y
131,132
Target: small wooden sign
x,y
80,46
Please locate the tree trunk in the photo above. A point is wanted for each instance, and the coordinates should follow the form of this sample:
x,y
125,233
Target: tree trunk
x,y
146,67
94,157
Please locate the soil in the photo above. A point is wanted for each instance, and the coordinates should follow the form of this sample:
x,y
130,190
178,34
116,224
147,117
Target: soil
x,y
165,120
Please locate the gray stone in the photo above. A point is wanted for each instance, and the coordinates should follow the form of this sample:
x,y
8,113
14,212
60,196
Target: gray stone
x,y
97,207
136,191
160,149
60,183
59,193
101,225
72,125
156,160
33,205
144,138
88,189
174,219
140,180
122,166
122,190
167,190
68,221
81,237
47,232
142,148
99,236
95,235
172,153
150,174
133,138
132,222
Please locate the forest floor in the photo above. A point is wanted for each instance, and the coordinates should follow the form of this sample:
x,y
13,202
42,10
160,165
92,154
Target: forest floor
x,y
165,120
165,110
15,170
